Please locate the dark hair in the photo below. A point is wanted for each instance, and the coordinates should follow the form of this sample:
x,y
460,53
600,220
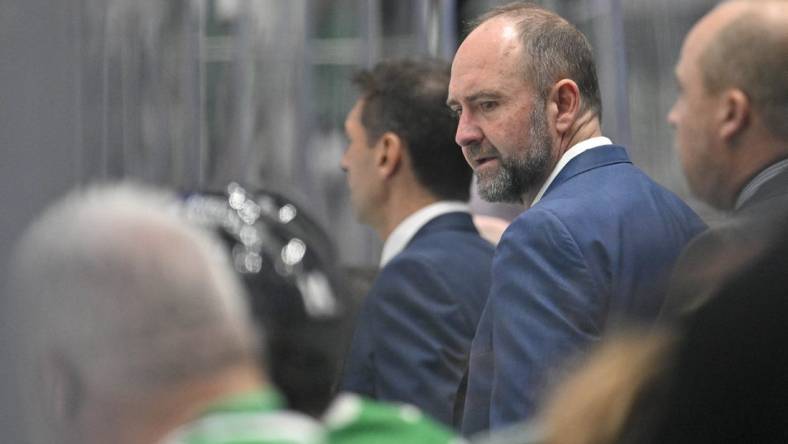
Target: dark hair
x,y
408,98
557,50
751,55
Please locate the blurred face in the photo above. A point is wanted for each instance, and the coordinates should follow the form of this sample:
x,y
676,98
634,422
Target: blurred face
x,y
692,117
358,163
502,127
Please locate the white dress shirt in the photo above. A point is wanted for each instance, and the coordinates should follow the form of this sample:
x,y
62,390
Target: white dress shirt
x,y
576,150
409,226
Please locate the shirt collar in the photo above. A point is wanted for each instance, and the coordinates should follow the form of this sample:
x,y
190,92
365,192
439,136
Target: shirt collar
x,y
761,178
409,226
576,150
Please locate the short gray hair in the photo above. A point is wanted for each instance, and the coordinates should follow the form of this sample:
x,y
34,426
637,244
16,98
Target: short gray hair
x,y
557,50
115,282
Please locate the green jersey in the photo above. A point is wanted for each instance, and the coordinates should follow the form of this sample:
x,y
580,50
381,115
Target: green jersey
x,y
257,418
352,419
253,418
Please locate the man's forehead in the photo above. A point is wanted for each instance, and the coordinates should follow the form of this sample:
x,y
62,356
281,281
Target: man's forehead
x,y
358,106
354,115
705,31
487,71
495,39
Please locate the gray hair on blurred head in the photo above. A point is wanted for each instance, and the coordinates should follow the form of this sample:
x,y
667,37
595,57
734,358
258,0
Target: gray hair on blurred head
x,y
132,298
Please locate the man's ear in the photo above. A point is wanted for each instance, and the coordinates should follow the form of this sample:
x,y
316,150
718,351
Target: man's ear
x,y
388,153
563,104
734,114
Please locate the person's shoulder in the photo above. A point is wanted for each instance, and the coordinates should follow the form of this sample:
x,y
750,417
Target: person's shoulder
x,y
431,268
397,280
353,419
461,232
547,215
437,248
733,236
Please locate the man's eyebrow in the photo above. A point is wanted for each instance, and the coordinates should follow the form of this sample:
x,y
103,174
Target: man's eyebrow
x,y
475,97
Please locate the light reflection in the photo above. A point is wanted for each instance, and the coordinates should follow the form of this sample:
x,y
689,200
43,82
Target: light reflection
x,y
319,300
236,196
249,212
287,213
293,252
253,262
249,235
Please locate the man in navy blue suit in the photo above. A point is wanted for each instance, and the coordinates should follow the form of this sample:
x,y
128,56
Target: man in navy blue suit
x,y
597,244
409,181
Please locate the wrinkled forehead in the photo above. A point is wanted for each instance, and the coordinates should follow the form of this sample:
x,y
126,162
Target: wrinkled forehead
x,y
493,52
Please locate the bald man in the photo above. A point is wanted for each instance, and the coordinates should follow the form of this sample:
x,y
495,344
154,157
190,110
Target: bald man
x,y
596,246
732,138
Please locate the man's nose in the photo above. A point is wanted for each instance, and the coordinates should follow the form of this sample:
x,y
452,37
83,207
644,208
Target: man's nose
x,y
468,132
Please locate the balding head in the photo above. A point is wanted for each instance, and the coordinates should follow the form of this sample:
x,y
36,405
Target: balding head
x,y
121,301
745,45
730,113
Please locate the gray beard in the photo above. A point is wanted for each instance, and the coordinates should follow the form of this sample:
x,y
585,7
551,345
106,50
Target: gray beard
x,y
522,172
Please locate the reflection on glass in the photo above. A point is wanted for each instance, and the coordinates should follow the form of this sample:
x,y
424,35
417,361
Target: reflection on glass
x,y
319,300
287,213
293,252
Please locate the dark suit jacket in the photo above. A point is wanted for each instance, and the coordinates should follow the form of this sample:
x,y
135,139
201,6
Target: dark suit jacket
x,y
595,250
713,256
415,327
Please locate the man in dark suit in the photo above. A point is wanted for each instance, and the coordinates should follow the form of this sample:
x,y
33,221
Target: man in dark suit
x,y
732,138
410,183
600,238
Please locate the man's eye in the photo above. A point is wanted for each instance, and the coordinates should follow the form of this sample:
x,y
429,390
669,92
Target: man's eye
x,y
456,112
488,106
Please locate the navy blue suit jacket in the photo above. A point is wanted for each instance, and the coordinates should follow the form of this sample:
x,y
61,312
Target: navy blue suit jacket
x,y
596,249
415,327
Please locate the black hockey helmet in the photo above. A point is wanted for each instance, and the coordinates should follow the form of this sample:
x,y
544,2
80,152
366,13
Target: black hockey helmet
x,y
295,293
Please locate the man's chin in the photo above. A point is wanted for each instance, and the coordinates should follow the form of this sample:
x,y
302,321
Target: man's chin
x,y
492,190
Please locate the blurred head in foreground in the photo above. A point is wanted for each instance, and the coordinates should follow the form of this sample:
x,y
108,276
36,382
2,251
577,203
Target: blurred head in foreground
x,y
131,320
610,397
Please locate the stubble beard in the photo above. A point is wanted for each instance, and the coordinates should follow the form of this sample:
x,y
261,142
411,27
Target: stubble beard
x,y
523,172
